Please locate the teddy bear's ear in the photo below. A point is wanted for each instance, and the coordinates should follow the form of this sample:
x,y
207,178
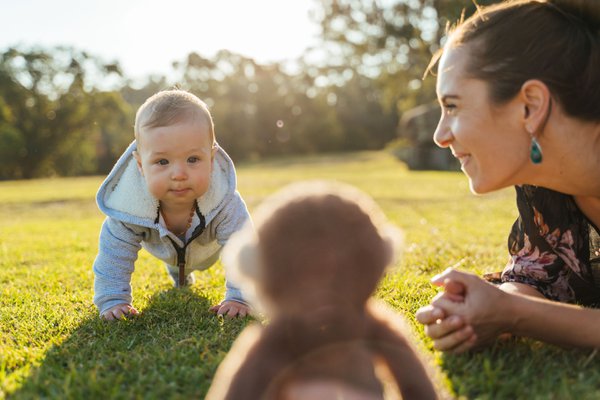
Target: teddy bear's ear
x,y
239,256
394,242
249,261
242,263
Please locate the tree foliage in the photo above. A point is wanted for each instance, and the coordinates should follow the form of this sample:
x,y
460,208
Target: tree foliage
x,y
389,41
65,112
47,122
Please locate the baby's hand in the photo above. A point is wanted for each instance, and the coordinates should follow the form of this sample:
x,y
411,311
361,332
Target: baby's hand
x,y
120,311
231,309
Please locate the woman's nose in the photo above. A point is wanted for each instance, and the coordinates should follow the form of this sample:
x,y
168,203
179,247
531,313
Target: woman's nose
x,y
443,136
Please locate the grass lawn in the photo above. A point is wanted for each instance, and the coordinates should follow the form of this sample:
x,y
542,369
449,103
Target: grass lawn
x,y
52,344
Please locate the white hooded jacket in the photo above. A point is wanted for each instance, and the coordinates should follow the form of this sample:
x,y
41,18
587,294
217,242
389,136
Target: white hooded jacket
x,y
133,222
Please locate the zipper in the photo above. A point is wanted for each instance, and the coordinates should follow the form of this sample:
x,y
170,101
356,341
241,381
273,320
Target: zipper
x,y
181,250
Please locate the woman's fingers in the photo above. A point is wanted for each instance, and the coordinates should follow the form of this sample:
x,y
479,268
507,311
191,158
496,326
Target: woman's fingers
x,y
448,334
448,303
451,274
429,314
444,327
454,288
451,336
466,345
465,305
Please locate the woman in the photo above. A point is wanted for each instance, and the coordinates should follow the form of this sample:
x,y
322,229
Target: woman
x,y
519,87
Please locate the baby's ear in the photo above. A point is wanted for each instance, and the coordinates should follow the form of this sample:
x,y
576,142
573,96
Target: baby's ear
x,y
137,157
213,151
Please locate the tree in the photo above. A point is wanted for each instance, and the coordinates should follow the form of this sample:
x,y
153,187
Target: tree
x,y
386,46
12,146
112,124
389,41
260,110
46,97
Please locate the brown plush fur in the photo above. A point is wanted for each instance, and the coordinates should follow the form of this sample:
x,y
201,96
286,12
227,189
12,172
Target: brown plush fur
x,y
321,256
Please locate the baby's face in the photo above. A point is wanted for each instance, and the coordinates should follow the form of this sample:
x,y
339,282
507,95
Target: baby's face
x,y
176,161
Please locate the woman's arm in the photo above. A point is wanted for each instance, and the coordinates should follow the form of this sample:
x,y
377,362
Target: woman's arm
x,y
556,323
487,312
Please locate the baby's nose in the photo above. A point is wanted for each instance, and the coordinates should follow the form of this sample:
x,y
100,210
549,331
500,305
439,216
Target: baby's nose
x,y
178,172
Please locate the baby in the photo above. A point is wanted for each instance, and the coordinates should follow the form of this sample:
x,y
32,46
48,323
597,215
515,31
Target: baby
x,y
312,264
173,192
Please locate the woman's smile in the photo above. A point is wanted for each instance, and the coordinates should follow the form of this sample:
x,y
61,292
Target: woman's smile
x,y
463,158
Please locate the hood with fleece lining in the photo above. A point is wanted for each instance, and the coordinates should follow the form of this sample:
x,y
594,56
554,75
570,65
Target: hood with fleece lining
x,y
124,194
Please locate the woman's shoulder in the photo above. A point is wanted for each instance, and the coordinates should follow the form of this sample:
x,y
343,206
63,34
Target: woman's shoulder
x,y
556,208
539,192
541,197
531,197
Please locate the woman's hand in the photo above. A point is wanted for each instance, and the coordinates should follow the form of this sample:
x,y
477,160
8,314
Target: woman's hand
x,y
469,313
450,333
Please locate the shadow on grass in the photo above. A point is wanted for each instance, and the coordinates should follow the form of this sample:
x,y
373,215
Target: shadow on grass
x,y
524,369
170,351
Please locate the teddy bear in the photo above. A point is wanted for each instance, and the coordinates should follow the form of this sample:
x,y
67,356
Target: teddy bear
x,y
309,264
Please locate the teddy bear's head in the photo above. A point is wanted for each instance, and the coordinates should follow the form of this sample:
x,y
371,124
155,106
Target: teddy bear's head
x,y
316,243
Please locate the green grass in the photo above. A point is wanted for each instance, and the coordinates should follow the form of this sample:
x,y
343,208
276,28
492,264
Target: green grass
x,y
52,344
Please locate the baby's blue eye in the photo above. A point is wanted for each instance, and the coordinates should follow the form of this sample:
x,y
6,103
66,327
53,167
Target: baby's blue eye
x,y
193,159
162,161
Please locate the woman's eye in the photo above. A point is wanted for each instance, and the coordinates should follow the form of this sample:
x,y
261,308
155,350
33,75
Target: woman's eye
x,y
162,161
193,159
449,108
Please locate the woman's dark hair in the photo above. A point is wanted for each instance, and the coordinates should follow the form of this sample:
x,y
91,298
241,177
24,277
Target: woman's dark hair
x,y
557,42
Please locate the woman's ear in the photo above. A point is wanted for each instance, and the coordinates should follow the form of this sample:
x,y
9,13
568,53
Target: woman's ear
x,y
536,98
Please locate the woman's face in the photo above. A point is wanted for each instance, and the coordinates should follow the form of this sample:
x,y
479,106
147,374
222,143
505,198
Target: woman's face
x,y
489,140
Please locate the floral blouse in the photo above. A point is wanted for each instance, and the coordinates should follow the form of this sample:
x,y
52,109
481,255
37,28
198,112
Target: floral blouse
x,y
554,247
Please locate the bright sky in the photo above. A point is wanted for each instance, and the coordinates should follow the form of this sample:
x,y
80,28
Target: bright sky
x,y
146,36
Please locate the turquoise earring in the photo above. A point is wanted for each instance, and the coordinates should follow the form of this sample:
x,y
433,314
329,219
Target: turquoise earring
x,y
535,152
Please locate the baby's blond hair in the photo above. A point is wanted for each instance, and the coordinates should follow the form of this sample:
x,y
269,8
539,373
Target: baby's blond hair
x,y
169,107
